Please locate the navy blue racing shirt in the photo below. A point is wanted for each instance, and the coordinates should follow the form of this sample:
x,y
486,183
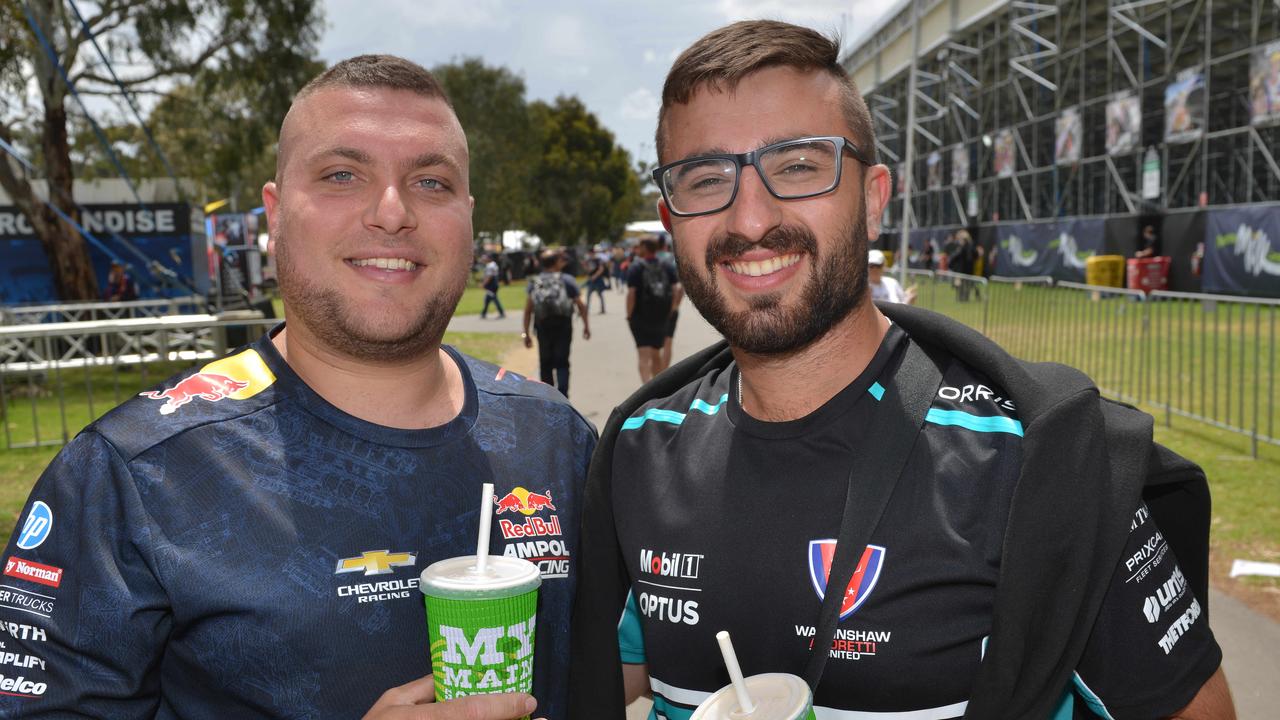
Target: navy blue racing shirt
x,y
231,545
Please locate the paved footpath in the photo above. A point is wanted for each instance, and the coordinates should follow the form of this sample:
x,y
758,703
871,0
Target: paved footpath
x,y
603,373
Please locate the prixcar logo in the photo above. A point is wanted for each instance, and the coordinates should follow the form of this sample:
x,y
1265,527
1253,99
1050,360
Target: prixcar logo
x,y
671,565
1166,595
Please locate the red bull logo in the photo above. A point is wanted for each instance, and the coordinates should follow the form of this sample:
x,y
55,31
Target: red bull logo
x,y
238,377
523,501
206,386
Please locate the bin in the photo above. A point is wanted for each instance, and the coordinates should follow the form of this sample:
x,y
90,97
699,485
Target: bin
x,y
1104,270
1147,274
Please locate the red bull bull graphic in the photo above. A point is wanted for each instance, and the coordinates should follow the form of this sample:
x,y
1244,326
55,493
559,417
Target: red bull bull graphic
x,y
238,377
523,501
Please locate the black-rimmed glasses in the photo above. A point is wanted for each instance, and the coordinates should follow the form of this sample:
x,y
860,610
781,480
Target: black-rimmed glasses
x,y
791,170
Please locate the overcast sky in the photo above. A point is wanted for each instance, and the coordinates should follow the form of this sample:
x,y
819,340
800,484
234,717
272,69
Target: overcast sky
x,y
613,54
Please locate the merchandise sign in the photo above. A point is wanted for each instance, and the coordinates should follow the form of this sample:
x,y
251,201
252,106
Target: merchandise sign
x,y
1242,252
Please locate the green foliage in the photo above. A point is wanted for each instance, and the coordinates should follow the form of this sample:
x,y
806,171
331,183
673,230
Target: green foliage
x,y
585,187
503,143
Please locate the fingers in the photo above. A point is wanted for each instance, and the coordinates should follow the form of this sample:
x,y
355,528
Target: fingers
x,y
416,701
422,690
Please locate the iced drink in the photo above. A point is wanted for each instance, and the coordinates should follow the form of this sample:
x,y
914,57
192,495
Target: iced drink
x,y
776,696
481,623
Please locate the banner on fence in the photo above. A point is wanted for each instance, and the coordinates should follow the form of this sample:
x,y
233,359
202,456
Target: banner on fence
x,y
1059,250
1242,252
159,231
1184,107
1264,84
1066,148
960,165
1124,123
1004,160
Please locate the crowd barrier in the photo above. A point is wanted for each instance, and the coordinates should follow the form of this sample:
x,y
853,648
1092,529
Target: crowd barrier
x,y
81,311
56,377
1209,358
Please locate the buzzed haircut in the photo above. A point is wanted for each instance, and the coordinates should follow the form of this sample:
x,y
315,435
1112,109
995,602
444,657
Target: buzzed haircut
x,y
377,71
368,71
722,58
649,243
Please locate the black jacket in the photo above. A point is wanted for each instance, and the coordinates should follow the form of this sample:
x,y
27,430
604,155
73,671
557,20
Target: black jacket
x,y
1087,463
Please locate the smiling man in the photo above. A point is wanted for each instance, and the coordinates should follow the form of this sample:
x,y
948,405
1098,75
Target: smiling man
x,y
871,497
245,542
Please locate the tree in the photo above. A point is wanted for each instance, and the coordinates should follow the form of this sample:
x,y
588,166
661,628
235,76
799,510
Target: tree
x,y
584,186
502,140
258,51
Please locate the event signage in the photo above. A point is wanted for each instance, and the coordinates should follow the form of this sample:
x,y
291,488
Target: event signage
x,y
158,230
1066,148
960,165
934,163
1184,107
1056,249
1124,123
1242,251
1264,84
1151,175
1005,161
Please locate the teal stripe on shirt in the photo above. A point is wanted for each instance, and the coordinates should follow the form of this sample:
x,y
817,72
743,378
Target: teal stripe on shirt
x,y
876,390
671,416
979,423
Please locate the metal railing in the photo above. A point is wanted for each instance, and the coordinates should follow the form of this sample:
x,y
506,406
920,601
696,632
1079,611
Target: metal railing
x,y
55,378
75,312
1209,358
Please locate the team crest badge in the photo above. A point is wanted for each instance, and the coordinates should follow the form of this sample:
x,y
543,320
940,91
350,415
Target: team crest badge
x,y
822,552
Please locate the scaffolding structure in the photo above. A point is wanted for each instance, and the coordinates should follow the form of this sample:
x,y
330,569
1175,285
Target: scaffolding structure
x,y
992,78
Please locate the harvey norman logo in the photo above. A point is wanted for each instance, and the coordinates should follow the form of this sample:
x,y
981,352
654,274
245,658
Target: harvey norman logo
x,y
33,571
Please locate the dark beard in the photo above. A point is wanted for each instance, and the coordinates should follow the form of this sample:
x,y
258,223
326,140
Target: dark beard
x,y
837,285
327,316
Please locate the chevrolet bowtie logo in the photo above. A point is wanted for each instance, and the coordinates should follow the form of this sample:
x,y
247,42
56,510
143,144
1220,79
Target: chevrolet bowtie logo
x,y
376,562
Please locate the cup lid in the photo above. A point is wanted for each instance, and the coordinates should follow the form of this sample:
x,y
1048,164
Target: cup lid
x,y
778,696
460,576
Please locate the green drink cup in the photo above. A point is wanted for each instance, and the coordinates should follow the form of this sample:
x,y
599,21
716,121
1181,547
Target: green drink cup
x,y
768,696
481,615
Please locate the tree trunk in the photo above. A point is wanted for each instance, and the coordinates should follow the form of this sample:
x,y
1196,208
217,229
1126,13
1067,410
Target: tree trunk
x,y
73,277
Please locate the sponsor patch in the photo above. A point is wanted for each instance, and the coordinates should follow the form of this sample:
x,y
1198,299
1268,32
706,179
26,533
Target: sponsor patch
x,y
850,644
865,575
524,502
378,562
551,556
685,566
21,687
33,571
37,526
1166,595
1179,627
20,631
238,377
673,610
27,601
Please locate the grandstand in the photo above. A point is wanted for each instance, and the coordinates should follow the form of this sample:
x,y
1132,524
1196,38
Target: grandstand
x,y
1068,126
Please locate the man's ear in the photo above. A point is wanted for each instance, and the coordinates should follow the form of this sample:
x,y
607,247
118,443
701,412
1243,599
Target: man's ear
x,y
664,214
875,199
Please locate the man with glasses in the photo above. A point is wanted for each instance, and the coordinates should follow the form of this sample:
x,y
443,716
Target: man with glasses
x,y
984,520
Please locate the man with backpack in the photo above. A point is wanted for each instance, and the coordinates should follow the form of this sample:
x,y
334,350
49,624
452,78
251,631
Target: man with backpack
x,y
552,297
651,300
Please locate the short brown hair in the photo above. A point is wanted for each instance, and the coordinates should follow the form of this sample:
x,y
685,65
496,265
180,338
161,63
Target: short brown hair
x,y
722,58
377,71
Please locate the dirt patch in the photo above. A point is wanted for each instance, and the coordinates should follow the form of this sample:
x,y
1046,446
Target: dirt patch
x,y
1260,594
522,360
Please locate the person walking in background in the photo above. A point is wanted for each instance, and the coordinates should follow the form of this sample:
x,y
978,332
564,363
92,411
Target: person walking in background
x,y
961,261
883,287
120,286
668,260
552,297
491,282
651,299
1148,243
597,277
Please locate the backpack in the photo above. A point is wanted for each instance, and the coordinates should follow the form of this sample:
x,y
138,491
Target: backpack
x,y
657,284
550,299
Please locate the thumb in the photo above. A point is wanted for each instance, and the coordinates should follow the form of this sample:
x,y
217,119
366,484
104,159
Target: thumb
x,y
507,706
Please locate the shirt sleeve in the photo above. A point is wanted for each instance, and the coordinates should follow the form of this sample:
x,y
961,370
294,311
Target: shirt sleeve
x,y
635,274
570,285
630,635
1151,649
83,616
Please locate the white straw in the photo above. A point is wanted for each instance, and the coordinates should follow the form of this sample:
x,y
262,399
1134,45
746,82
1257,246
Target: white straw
x,y
745,703
486,521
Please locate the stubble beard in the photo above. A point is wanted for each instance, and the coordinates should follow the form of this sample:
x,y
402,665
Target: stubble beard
x,y
329,317
836,286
